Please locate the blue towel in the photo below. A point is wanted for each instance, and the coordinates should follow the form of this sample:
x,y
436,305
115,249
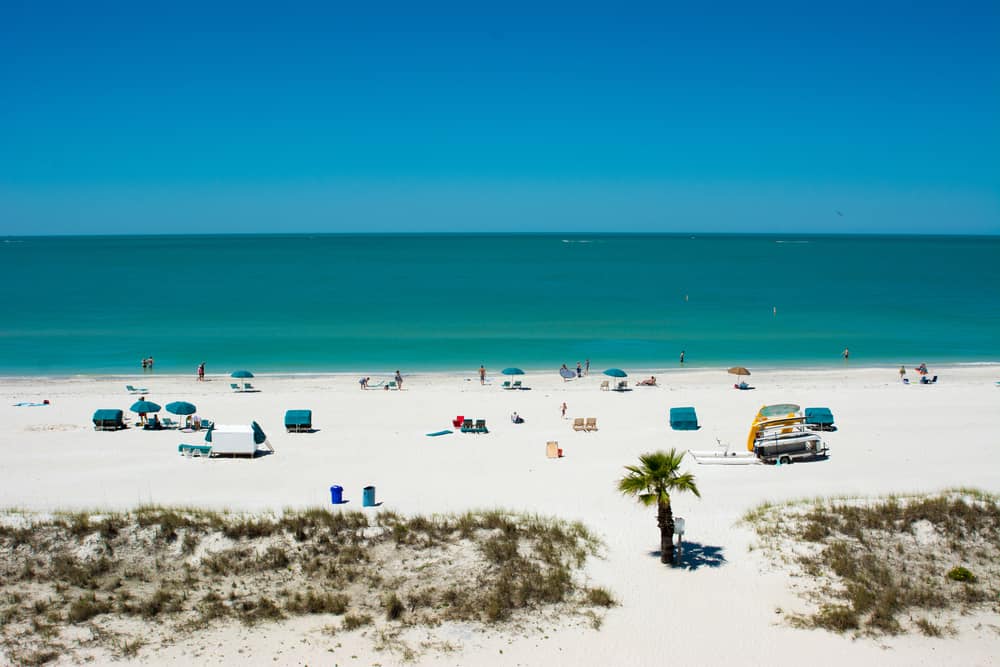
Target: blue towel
x,y
445,432
29,405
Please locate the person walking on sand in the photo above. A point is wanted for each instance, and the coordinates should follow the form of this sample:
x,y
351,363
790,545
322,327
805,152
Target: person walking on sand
x,y
201,372
399,381
564,410
482,374
902,373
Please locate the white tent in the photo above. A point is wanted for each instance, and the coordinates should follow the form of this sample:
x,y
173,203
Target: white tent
x,y
236,439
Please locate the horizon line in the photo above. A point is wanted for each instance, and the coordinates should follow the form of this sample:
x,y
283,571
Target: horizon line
x,y
691,234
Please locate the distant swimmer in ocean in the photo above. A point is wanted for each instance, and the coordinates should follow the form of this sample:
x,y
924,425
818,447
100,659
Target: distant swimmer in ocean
x,y
847,354
682,356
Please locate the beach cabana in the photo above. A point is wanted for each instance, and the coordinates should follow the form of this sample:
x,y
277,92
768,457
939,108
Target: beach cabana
x,y
236,440
108,420
821,418
683,419
298,421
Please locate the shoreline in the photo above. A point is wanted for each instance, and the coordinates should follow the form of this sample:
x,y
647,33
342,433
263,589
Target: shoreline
x,y
472,372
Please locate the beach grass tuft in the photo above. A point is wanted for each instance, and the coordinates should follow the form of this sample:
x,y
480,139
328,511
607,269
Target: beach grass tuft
x,y
876,563
183,568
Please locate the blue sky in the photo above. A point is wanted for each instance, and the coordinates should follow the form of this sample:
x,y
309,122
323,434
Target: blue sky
x,y
202,117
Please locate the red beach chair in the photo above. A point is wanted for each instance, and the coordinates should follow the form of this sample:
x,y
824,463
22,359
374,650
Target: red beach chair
x,y
457,421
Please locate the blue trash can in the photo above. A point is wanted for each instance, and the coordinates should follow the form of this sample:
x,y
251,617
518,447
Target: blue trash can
x,y
337,495
368,497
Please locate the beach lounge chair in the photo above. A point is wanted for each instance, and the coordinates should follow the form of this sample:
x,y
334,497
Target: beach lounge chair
x,y
457,421
819,418
622,386
578,424
392,384
136,390
248,387
505,385
235,387
167,422
194,450
467,426
481,426
552,450
298,421
683,419
108,420
605,385
516,385
378,385
590,424
924,380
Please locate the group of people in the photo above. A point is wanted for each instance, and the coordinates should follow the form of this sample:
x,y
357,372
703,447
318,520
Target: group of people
x,y
921,370
581,370
364,382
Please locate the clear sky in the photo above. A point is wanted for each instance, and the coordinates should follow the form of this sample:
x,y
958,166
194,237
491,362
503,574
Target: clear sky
x,y
161,117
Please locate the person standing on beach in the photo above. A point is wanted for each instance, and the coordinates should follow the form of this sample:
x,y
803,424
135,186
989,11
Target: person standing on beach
x,y
399,380
201,372
902,373
682,356
586,367
579,370
482,374
564,410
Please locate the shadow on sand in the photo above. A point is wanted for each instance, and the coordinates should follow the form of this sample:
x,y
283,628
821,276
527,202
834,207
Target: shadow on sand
x,y
696,555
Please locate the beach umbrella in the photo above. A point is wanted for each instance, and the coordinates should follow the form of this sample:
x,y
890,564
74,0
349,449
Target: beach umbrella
x,y
242,375
181,408
616,373
512,371
144,406
567,373
738,371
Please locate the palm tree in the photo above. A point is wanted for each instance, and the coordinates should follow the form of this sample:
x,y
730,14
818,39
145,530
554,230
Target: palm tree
x,y
651,483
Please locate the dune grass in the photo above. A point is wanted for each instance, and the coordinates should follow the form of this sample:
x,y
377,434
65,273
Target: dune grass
x,y
887,566
124,575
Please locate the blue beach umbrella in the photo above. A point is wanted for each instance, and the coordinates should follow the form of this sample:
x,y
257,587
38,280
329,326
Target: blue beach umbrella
x,y
512,371
241,374
144,406
181,408
616,373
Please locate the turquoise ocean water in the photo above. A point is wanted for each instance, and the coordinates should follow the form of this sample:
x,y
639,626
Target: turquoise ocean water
x,y
316,303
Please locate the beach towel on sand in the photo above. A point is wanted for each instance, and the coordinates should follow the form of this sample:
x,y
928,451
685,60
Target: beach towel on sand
x,y
437,433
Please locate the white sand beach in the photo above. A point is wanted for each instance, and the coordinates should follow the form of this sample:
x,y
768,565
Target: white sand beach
x,y
721,609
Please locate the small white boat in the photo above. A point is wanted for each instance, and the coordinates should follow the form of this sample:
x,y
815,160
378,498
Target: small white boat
x,y
724,458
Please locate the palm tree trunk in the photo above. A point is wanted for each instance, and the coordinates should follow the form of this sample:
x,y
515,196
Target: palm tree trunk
x,y
665,520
